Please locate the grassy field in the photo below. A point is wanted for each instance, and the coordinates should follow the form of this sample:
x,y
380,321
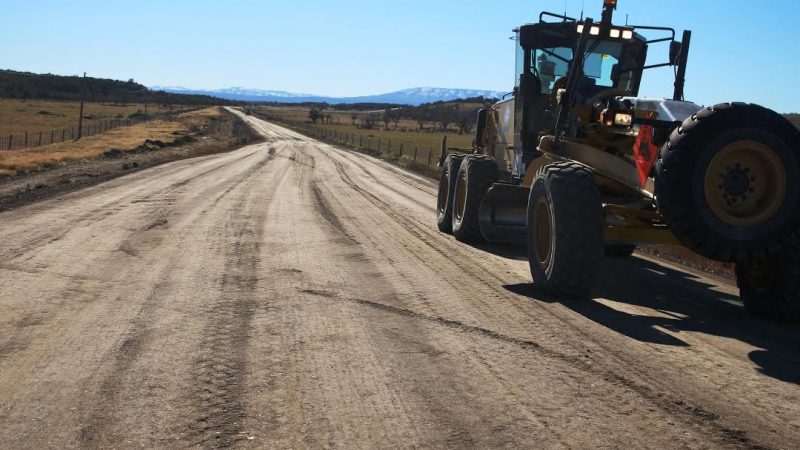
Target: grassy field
x,y
20,116
126,138
342,127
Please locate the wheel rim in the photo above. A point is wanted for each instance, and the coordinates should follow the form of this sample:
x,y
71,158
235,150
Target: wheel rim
x,y
444,192
745,183
542,232
461,196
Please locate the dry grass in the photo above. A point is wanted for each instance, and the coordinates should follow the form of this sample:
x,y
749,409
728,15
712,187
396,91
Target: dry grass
x,y
20,116
126,138
196,119
386,141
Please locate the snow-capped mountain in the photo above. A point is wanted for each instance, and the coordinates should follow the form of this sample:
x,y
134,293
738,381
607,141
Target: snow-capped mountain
x,y
414,96
232,93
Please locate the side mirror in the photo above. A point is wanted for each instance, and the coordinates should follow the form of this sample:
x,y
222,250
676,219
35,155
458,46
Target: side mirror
x,y
675,49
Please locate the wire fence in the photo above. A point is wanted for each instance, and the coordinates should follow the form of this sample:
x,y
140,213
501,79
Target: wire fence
x,y
376,145
30,139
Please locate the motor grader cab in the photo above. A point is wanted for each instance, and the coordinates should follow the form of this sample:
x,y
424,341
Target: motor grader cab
x,y
576,164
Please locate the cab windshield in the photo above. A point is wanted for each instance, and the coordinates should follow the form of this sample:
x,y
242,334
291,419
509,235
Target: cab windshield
x,y
600,65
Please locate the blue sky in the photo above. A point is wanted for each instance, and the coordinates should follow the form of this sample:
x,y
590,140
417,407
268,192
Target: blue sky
x,y
359,47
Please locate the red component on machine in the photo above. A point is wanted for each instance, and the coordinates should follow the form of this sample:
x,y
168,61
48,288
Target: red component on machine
x,y
645,152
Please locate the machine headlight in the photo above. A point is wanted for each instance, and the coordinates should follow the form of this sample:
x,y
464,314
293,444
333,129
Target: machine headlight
x,y
623,119
627,34
595,31
580,28
615,33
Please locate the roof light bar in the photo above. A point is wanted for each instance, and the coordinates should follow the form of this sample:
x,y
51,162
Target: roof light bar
x,y
613,33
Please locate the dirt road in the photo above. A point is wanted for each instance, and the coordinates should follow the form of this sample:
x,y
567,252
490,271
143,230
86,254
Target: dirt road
x,y
291,294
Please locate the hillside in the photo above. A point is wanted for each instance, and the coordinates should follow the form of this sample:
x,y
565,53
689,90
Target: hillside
x,y
25,85
413,96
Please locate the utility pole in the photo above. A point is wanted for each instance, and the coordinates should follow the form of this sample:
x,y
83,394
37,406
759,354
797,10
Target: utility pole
x,y
80,114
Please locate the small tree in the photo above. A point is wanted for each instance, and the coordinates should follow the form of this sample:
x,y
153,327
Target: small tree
x,y
421,115
466,121
445,116
354,117
386,118
369,121
315,114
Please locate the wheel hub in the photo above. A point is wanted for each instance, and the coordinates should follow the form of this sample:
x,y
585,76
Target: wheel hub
x,y
745,183
737,182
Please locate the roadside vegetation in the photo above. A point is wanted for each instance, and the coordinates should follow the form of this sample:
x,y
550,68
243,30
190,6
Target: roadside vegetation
x,y
19,116
37,173
13,162
409,136
26,85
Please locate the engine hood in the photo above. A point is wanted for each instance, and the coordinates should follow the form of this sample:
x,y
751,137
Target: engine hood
x,y
668,110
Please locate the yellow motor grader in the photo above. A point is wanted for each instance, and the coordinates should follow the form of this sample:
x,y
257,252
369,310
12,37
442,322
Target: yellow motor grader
x,y
575,164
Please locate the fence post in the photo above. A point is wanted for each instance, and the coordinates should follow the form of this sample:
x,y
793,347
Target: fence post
x,y
52,134
40,138
63,134
430,152
10,141
401,149
415,152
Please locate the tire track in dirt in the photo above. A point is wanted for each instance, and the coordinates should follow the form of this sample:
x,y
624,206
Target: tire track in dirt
x,y
371,279
30,242
221,338
221,369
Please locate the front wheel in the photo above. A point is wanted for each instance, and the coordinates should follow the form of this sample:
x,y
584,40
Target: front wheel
x,y
728,182
565,230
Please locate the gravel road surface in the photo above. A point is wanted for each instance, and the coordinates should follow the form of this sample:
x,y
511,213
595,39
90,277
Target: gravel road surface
x,y
293,294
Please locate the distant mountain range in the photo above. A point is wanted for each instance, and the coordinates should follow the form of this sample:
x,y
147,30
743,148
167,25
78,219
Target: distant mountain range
x,y
414,96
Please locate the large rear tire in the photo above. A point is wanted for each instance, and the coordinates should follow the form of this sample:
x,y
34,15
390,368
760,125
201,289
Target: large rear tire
x,y
770,287
447,184
565,230
728,182
475,177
